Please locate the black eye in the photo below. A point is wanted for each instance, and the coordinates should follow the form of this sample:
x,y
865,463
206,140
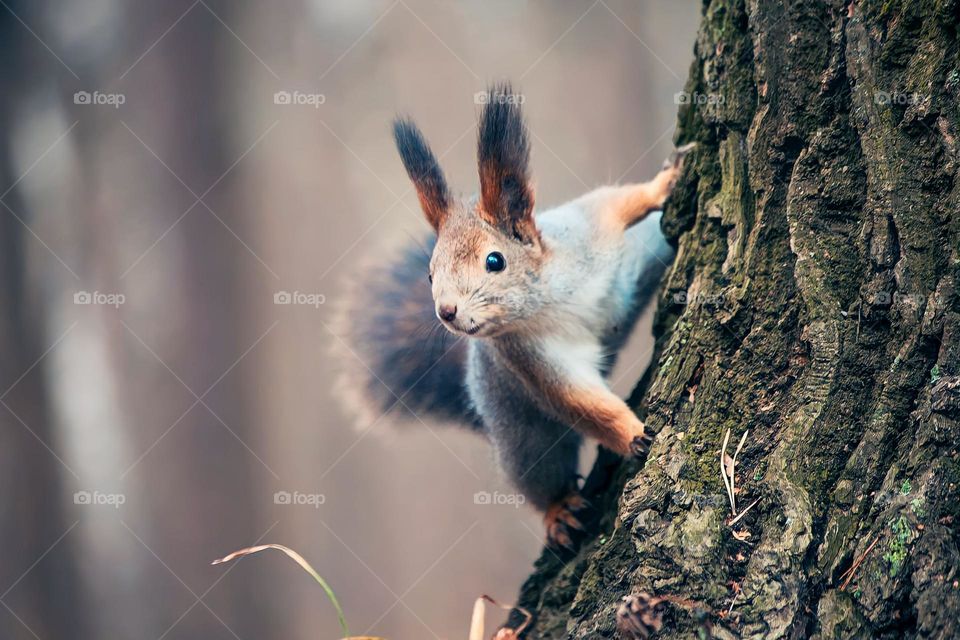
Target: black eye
x,y
496,262
430,277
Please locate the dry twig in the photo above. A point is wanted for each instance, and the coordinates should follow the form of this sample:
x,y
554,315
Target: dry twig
x,y
849,573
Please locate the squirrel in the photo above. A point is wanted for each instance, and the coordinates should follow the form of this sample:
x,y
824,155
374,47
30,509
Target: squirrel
x,y
536,306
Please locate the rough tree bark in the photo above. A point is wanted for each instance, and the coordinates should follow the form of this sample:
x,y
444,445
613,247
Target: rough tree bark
x,y
813,303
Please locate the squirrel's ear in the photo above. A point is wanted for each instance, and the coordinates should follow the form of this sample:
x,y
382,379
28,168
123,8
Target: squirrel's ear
x,y
424,171
503,155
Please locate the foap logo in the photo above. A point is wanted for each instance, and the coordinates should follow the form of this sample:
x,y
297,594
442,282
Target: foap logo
x,y
99,499
698,299
97,98
299,297
484,97
299,98
885,298
298,499
497,498
685,97
100,298
897,97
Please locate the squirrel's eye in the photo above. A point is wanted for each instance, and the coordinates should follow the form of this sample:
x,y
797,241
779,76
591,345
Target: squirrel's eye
x,y
496,262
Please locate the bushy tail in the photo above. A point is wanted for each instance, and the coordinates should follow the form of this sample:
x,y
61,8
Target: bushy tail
x,y
395,358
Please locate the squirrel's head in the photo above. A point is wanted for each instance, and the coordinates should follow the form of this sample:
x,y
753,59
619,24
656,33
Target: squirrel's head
x,y
489,254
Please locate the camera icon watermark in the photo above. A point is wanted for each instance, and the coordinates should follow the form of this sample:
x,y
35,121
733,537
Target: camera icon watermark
x,y
98,498
97,98
99,298
299,298
299,98
497,498
298,499
697,98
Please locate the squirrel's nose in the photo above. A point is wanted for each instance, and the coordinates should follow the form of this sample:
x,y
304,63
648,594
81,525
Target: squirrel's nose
x,y
447,312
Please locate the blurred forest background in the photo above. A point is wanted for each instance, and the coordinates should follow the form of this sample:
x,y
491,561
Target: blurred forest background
x,y
168,169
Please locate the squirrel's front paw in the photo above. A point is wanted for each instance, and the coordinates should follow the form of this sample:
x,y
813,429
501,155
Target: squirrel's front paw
x,y
668,175
675,161
640,445
560,521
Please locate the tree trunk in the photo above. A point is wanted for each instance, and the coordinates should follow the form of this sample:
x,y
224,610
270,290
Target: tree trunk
x,y
39,594
812,310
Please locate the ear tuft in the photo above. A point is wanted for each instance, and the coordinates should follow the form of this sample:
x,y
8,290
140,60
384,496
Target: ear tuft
x,y
424,171
503,156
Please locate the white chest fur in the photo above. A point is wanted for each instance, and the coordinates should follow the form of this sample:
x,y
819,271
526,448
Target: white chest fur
x,y
591,276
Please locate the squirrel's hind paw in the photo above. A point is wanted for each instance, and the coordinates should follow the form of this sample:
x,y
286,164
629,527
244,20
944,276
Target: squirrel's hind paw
x,y
561,522
641,445
640,616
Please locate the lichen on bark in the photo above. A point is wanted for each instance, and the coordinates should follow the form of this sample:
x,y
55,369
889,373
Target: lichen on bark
x,y
812,302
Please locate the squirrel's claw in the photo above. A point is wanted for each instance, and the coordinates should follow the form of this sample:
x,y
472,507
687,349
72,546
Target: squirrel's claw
x,y
560,521
639,616
641,445
670,173
676,158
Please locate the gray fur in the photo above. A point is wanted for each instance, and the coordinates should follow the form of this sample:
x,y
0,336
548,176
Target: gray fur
x,y
442,376
657,255
538,452
416,365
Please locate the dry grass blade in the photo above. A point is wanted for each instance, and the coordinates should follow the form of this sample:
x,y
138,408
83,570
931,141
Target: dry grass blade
x,y
733,471
733,601
476,623
723,471
744,512
728,468
736,453
296,557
